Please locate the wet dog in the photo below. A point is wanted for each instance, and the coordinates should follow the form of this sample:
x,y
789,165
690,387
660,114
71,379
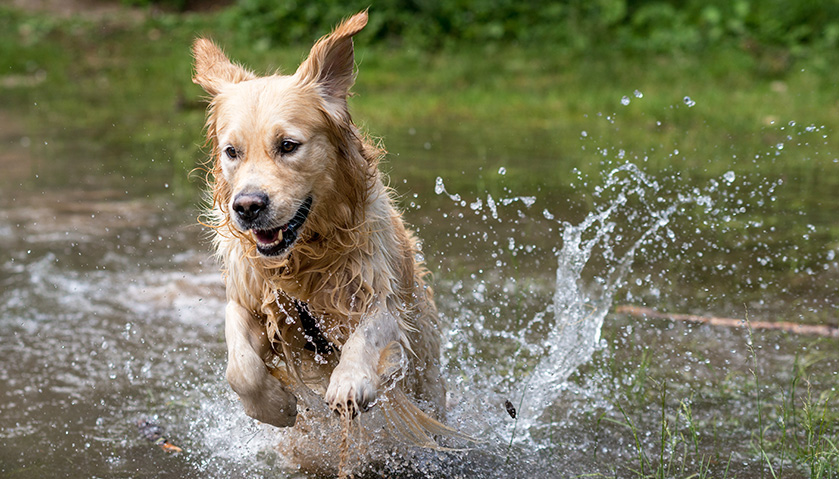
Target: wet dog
x,y
326,298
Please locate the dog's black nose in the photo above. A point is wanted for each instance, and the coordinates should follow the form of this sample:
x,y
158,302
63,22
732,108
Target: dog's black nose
x,y
248,206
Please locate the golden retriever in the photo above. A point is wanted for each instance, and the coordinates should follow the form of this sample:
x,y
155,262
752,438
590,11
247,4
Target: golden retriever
x,y
326,297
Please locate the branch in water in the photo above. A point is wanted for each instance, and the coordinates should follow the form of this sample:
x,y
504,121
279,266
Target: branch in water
x,y
810,329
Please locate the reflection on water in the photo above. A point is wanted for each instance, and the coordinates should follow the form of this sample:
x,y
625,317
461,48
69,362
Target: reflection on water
x,y
111,311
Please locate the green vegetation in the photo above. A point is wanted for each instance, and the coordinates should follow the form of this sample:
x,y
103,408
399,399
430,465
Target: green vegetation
x,y
543,97
703,417
636,25
499,100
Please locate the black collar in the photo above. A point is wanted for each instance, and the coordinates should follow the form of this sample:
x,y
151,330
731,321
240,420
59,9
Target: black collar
x,y
315,339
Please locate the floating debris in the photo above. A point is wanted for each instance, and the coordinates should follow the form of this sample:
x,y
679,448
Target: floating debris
x,y
154,433
511,410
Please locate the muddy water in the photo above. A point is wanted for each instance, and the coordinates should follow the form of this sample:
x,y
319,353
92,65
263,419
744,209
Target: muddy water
x,y
111,312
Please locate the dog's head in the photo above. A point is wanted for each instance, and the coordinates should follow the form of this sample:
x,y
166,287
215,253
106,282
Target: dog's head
x,y
285,150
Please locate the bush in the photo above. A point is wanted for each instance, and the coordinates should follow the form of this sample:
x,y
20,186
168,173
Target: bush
x,y
642,25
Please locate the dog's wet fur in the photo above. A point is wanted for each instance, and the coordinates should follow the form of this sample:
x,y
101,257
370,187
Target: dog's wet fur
x,y
301,216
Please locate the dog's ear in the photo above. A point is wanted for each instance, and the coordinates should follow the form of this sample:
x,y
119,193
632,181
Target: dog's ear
x,y
331,61
212,68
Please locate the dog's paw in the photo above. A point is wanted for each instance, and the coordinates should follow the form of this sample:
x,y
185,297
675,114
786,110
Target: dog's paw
x,y
272,404
351,391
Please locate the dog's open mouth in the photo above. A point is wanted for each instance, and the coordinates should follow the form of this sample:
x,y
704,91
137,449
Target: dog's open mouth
x,y
275,241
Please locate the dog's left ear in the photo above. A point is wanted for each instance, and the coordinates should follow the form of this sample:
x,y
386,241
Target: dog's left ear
x,y
331,61
213,69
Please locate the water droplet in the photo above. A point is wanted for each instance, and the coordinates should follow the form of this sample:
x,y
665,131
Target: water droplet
x,y
492,207
638,94
439,188
729,177
625,100
689,102
502,171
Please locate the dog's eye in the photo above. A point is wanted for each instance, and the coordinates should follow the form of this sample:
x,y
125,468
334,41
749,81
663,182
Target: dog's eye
x,y
288,146
231,152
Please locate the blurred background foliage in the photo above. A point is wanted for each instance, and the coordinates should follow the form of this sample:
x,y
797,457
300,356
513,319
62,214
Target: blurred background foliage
x,y
631,25
542,71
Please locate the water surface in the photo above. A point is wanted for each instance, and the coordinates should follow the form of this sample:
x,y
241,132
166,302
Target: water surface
x,y
111,307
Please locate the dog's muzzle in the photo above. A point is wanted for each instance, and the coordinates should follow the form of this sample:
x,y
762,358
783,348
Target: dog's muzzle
x,y
252,213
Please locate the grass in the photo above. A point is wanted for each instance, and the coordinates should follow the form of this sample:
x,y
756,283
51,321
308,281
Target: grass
x,y
760,433
808,430
748,425
499,102
678,446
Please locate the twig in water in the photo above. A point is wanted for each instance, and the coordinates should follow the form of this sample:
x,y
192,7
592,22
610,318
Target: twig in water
x,y
796,328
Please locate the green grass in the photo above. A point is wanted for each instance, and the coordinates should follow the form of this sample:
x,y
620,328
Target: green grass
x,y
752,422
498,103
808,428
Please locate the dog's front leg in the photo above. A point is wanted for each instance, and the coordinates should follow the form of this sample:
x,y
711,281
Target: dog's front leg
x,y
355,381
263,396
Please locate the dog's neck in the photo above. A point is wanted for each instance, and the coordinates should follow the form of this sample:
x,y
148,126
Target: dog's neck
x,y
326,267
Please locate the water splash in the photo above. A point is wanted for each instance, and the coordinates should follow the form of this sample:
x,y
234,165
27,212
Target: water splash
x,y
108,326
579,308
633,212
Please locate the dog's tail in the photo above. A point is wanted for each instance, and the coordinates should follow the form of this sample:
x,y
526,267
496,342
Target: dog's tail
x,y
407,419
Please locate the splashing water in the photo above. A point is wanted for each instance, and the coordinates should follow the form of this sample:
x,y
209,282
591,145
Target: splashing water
x,y
634,212
516,332
579,310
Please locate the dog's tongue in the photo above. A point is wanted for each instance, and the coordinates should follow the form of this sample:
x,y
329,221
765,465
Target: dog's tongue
x,y
268,236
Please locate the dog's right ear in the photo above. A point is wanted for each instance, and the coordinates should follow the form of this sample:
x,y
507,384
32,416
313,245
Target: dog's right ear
x,y
331,61
212,68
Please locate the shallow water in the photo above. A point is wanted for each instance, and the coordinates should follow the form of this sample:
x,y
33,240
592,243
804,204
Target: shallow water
x,y
111,311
